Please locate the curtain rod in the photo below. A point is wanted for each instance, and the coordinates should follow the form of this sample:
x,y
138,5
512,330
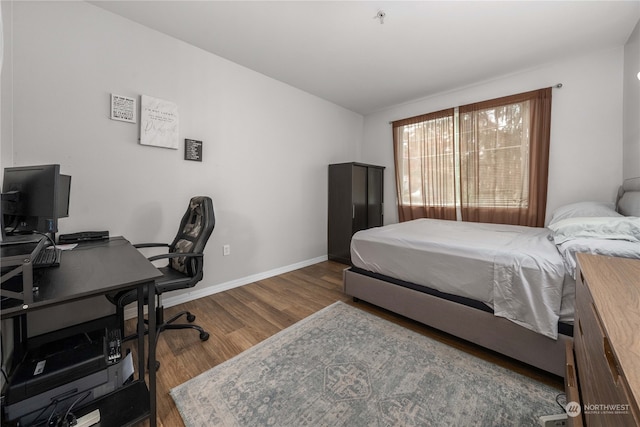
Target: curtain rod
x,y
556,86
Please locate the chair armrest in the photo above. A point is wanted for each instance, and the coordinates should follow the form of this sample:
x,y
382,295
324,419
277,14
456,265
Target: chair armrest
x,y
151,245
176,255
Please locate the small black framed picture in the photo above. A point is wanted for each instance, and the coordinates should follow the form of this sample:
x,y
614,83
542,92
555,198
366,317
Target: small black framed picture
x,y
193,150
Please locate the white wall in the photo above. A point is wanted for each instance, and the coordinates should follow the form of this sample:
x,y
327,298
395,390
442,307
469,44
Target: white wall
x,y
586,126
6,88
266,144
631,127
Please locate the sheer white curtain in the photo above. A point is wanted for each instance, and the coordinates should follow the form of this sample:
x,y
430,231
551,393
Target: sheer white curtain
x,y
425,166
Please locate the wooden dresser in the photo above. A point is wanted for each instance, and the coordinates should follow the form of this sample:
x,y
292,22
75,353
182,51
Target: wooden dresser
x,y
604,376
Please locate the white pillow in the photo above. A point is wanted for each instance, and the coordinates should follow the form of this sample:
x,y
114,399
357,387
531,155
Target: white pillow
x,y
610,228
583,209
617,248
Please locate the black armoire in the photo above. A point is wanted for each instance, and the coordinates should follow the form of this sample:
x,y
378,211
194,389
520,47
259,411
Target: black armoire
x,y
355,203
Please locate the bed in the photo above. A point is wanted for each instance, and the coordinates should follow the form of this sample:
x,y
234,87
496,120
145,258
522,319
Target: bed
x,y
507,288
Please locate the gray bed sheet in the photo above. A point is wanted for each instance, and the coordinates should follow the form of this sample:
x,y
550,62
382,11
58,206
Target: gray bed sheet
x,y
515,270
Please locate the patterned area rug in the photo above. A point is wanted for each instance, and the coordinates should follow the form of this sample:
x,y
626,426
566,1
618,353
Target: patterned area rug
x,y
345,367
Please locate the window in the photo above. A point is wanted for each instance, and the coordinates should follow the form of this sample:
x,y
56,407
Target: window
x,y
483,162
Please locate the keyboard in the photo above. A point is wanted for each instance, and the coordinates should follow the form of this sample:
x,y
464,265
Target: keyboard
x,y
47,258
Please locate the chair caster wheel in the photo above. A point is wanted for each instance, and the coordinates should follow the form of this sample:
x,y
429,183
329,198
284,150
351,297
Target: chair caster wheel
x,y
204,336
157,365
190,318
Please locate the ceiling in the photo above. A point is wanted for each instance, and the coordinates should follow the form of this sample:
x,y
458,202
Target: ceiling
x,y
340,50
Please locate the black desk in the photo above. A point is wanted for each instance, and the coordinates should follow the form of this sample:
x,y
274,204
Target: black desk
x,y
94,269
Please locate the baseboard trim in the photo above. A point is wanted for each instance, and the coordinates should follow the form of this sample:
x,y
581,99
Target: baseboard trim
x,y
203,291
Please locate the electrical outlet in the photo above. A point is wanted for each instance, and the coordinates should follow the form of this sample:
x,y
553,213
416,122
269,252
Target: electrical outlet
x,y
559,420
226,250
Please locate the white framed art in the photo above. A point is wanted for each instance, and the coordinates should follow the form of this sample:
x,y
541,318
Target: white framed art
x,y
123,108
158,123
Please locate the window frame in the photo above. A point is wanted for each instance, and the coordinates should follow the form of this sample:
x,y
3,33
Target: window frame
x,y
533,184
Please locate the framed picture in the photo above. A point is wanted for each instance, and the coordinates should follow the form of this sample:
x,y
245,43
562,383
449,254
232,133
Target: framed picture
x,y
158,123
123,108
193,150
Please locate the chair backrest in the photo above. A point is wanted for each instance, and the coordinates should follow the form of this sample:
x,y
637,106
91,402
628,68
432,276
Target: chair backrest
x,y
195,228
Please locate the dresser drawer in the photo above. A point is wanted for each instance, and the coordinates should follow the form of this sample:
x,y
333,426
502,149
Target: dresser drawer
x,y
571,388
605,399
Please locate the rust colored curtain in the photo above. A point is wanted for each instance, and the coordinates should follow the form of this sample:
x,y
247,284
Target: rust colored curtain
x,y
425,166
495,172
505,159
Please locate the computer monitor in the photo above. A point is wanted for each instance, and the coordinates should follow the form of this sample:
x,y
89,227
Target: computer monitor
x,y
34,197
64,191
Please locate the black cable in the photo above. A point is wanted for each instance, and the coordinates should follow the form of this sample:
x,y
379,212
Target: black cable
x,y
78,400
53,243
565,401
53,411
35,420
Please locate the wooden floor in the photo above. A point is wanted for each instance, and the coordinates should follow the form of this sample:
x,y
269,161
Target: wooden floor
x,y
240,318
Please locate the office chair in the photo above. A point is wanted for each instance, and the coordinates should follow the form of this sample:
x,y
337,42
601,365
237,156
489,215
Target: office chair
x,y
184,268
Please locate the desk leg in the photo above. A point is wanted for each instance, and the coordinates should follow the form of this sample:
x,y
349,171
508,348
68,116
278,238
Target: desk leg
x,y
152,354
152,345
141,327
20,338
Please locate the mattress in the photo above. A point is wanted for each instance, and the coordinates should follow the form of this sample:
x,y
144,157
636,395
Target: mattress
x,y
516,271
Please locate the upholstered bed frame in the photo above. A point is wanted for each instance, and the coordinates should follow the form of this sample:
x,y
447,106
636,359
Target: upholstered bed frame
x,y
472,324
469,323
